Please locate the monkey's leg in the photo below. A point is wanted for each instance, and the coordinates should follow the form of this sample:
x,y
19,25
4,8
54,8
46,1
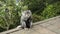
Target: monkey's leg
x,y
31,24
23,25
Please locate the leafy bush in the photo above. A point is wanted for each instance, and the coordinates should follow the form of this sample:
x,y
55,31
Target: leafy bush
x,y
37,18
51,10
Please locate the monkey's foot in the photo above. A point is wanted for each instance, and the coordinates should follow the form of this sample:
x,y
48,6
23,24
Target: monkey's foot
x,y
22,27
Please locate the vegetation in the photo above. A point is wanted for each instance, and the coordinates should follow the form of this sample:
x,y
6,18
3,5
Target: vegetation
x,y
10,11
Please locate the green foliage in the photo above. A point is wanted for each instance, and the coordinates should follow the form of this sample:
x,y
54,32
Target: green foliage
x,y
35,5
37,18
24,8
10,18
51,10
48,12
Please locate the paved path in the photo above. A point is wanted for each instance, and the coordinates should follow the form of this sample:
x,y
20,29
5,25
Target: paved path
x,y
51,26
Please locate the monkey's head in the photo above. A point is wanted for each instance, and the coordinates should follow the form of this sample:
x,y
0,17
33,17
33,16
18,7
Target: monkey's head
x,y
28,13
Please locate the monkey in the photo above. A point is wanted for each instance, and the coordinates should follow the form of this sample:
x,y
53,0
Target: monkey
x,y
26,19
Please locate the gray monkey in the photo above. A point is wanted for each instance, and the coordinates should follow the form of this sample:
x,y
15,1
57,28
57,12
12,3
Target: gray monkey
x,y
26,19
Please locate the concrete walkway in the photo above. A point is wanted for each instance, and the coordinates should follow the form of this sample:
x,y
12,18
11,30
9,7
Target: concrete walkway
x,y
49,26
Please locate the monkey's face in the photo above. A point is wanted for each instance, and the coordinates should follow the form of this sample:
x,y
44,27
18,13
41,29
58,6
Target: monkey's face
x,y
28,14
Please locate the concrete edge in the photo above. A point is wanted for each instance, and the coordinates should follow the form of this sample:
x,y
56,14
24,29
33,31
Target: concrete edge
x,y
46,20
